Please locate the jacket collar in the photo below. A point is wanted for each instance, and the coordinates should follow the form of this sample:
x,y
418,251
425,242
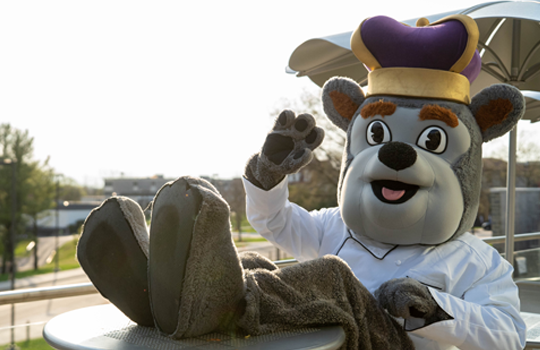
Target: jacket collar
x,y
379,250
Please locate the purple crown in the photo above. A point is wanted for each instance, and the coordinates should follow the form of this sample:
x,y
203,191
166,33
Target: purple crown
x,y
440,46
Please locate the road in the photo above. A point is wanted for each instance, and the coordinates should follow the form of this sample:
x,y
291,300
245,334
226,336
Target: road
x,y
42,311
46,245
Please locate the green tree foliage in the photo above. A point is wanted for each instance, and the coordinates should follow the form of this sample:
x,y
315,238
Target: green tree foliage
x,y
33,184
70,190
40,198
236,197
316,186
234,194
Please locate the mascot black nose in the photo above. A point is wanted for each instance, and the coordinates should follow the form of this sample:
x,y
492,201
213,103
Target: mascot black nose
x,y
397,155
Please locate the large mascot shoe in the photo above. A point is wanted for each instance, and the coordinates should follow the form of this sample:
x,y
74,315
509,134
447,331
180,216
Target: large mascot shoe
x,y
194,273
113,251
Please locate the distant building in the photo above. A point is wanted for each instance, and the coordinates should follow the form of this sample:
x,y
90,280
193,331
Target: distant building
x,y
70,216
222,185
527,210
141,190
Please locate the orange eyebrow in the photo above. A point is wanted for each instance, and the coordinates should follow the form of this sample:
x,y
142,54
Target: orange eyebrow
x,y
439,113
378,108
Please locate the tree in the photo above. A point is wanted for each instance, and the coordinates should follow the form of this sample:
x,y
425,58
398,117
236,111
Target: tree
x,y
234,194
527,155
18,146
70,190
316,187
41,197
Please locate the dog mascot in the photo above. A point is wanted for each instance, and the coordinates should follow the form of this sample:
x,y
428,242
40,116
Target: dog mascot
x,y
393,265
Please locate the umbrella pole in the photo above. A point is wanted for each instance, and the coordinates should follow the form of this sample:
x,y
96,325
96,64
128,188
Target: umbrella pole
x,y
512,151
511,197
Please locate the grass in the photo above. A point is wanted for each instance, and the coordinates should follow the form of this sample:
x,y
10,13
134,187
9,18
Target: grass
x,y
67,262
20,249
34,344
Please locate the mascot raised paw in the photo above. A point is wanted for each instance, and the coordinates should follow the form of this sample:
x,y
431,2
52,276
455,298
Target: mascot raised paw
x,y
393,265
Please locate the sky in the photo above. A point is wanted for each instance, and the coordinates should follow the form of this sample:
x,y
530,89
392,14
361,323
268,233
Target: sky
x,y
175,88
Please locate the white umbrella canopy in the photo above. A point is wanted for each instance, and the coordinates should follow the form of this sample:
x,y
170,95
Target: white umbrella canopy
x,y
509,45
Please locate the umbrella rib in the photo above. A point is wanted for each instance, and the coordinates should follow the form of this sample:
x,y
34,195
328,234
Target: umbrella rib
x,y
489,70
534,70
501,65
492,31
526,62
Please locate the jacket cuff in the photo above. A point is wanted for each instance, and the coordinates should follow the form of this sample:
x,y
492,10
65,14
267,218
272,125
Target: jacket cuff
x,y
268,202
445,331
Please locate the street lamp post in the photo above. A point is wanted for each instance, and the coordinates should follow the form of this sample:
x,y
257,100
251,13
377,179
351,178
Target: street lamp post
x,y
12,269
57,255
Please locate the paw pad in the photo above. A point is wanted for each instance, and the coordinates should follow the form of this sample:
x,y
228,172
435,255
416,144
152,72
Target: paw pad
x,y
291,141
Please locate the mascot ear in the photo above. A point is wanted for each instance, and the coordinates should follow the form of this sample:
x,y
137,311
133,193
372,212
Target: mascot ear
x,y
497,110
341,98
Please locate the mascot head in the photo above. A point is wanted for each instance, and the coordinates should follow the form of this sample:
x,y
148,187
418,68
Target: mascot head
x,y
411,170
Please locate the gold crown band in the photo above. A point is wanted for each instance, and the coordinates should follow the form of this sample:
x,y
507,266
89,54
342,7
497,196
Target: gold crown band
x,y
419,82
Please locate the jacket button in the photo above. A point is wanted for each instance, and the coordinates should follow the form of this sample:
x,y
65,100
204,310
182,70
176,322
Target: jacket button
x,y
398,262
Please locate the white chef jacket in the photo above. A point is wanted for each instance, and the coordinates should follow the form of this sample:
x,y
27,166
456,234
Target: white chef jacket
x,y
467,278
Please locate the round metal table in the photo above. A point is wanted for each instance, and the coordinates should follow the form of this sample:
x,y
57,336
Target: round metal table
x,y
104,327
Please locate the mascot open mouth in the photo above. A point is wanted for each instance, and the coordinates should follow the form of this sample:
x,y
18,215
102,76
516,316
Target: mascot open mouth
x,y
393,192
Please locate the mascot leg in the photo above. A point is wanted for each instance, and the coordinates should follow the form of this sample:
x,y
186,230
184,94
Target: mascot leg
x,y
198,283
319,292
195,276
113,251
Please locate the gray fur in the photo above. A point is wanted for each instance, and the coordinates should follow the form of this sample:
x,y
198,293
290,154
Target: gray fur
x,y
134,215
264,173
258,173
213,284
346,86
253,260
319,292
494,92
468,170
400,296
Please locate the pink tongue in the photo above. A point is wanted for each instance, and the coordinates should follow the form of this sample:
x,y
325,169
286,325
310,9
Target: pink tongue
x,y
391,195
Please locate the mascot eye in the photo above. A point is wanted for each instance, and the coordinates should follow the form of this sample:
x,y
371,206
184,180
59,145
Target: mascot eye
x,y
433,139
378,132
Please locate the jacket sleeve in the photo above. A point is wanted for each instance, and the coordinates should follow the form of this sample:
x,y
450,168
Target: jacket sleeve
x,y
486,317
285,224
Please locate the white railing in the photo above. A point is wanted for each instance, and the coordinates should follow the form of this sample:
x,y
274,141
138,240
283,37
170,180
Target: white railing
x,y
70,290
45,293
517,238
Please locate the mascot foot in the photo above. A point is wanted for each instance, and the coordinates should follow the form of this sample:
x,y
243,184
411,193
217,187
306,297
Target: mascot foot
x,y
195,277
113,251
